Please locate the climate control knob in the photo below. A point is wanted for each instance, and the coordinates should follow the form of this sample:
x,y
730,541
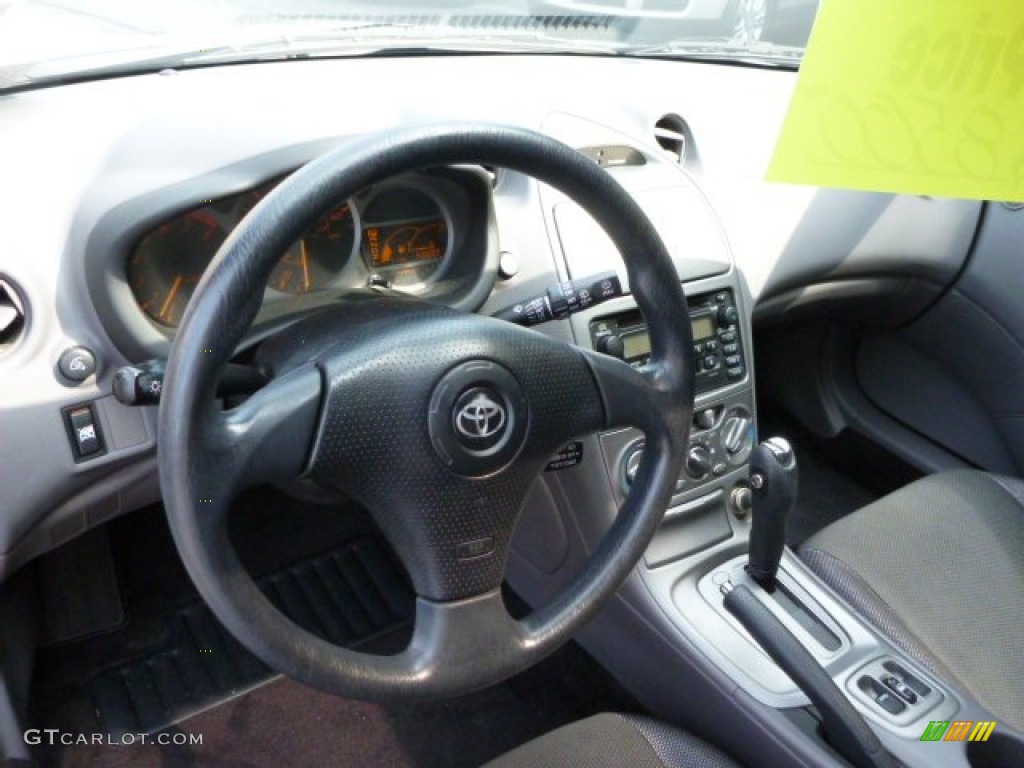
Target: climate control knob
x,y
738,433
698,462
727,316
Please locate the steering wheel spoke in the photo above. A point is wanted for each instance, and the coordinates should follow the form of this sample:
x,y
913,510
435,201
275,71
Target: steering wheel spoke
x,y
455,639
268,437
632,397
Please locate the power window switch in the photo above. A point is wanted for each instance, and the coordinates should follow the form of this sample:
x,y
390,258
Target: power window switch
x,y
890,702
900,688
84,432
881,695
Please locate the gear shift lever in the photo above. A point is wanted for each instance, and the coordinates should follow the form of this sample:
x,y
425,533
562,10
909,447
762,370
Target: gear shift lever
x,y
773,478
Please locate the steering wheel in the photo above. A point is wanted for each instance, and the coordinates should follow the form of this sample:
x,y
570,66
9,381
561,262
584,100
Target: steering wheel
x,y
436,421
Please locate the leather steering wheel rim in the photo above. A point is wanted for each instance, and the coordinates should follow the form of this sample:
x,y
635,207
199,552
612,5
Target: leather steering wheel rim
x,y
330,372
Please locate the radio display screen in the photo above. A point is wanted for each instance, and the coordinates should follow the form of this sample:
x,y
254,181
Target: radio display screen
x,y
636,345
702,326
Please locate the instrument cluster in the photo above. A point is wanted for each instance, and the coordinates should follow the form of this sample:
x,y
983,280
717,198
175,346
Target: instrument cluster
x,y
403,232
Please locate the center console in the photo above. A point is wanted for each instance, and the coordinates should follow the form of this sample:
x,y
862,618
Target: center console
x,y
711,501
668,636
722,434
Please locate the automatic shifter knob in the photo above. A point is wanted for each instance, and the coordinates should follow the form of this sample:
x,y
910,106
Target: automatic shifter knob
x,y
773,478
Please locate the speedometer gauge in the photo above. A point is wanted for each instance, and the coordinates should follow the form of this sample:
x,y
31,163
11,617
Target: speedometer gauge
x,y
405,235
166,266
317,259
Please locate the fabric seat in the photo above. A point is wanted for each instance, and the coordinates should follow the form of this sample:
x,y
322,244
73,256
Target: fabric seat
x,y
938,568
615,741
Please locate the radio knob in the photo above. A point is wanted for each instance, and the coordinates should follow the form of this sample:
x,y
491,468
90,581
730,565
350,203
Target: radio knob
x,y
727,316
698,462
611,345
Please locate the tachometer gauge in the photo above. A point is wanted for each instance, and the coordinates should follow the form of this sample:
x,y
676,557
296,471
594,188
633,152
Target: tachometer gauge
x,y
168,262
313,262
404,235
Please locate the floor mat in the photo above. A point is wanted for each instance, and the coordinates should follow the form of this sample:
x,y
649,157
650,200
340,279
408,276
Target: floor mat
x,y
354,596
349,596
284,724
140,669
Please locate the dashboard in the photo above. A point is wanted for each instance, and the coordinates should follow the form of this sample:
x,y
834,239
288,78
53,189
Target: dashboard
x,y
109,214
118,193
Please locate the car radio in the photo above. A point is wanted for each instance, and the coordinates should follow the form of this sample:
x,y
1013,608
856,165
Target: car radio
x,y
717,345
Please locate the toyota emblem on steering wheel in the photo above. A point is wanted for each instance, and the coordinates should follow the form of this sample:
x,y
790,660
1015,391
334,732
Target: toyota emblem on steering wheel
x,y
481,417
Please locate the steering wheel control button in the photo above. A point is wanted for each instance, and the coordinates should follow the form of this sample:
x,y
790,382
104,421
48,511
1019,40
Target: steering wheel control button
x,y
77,363
478,418
140,384
84,432
564,299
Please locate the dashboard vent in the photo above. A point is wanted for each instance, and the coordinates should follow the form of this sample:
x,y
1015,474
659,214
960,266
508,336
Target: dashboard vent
x,y
672,136
614,156
12,316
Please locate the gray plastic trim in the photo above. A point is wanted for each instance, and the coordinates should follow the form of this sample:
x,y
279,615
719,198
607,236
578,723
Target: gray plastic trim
x,y
718,636
18,637
129,488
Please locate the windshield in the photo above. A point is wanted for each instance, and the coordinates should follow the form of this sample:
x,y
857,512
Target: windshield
x,y
53,40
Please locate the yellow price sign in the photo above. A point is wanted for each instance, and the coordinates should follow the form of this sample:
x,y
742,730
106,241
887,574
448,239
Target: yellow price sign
x,y
910,96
